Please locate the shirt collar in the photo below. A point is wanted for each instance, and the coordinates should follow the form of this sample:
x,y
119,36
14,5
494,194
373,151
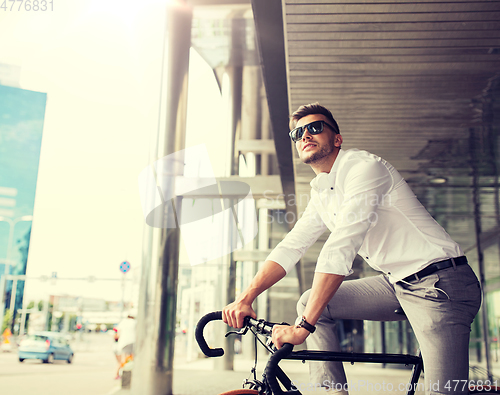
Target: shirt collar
x,y
327,180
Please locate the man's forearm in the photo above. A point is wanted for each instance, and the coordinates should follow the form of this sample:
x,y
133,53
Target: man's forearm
x,y
234,313
323,288
268,275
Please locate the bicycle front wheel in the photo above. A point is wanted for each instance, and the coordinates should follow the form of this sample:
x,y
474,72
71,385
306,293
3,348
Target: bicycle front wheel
x,y
484,389
241,391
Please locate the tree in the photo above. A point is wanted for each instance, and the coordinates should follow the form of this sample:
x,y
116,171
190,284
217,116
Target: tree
x,y
6,320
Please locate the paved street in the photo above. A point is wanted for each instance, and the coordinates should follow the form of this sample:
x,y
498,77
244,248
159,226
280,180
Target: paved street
x,y
91,372
94,367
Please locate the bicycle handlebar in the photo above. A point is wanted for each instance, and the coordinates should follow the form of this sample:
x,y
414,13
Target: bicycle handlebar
x,y
261,326
209,352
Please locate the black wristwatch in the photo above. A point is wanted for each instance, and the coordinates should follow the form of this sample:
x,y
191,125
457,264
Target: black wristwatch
x,y
306,325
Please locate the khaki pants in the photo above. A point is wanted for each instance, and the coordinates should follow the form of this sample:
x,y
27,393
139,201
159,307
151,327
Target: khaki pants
x,y
440,308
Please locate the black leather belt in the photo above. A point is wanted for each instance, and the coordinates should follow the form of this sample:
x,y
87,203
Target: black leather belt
x,y
434,267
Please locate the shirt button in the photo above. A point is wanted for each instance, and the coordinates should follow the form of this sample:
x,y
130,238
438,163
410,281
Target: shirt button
x,y
331,188
367,258
389,273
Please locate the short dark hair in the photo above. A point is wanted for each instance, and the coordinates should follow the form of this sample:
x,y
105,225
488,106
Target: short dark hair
x,y
313,108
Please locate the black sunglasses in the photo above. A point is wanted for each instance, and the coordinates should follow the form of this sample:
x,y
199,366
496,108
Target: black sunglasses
x,y
315,127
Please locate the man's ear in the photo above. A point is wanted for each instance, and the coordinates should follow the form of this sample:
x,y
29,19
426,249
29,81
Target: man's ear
x,y
337,140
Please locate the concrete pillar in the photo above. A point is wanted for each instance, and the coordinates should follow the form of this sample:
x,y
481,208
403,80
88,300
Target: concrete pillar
x,y
251,104
262,299
250,130
228,278
156,320
228,358
250,114
234,71
235,74
265,131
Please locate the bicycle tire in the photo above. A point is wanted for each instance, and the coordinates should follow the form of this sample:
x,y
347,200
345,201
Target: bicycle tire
x,y
485,389
241,391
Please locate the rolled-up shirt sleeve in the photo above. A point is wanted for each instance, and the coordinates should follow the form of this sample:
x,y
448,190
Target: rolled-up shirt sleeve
x,y
364,186
305,232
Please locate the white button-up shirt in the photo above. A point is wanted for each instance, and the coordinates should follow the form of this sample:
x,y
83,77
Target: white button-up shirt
x,y
370,210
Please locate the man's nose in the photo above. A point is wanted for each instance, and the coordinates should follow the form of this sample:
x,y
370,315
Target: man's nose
x,y
306,134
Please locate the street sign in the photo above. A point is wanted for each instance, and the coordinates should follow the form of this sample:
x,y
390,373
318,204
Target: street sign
x,y
124,267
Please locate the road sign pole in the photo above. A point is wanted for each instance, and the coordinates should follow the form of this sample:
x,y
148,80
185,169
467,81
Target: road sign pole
x,y
124,268
123,295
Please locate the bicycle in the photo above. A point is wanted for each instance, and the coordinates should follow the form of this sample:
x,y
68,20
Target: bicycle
x,y
268,384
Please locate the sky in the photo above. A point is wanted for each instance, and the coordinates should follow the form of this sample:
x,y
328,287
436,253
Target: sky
x,y
100,64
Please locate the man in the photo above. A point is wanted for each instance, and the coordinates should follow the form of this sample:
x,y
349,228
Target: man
x,y
371,211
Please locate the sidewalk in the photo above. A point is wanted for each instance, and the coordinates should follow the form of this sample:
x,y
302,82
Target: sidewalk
x,y
197,378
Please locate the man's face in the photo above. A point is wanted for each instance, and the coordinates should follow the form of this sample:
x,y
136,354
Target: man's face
x,y
314,148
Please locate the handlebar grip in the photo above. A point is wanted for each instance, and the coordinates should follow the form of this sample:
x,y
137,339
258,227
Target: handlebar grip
x,y
271,366
209,352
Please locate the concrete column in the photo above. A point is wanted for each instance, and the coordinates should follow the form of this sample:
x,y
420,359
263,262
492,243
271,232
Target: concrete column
x,y
250,114
250,130
228,278
228,358
235,73
153,366
265,130
263,241
251,104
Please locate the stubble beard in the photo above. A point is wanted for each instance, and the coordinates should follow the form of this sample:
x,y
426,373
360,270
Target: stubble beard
x,y
320,155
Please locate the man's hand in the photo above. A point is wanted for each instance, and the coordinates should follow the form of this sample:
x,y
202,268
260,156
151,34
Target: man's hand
x,y
269,274
288,334
234,314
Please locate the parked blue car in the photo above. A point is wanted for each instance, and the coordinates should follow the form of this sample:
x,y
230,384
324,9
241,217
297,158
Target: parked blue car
x,y
47,346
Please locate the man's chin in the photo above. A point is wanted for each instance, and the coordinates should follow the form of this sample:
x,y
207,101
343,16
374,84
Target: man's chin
x,y
315,157
311,158
306,159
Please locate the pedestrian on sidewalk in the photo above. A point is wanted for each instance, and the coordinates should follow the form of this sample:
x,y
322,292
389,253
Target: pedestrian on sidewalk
x,y
126,340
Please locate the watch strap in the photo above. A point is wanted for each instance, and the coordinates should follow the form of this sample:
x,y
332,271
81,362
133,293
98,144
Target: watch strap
x,y
306,325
